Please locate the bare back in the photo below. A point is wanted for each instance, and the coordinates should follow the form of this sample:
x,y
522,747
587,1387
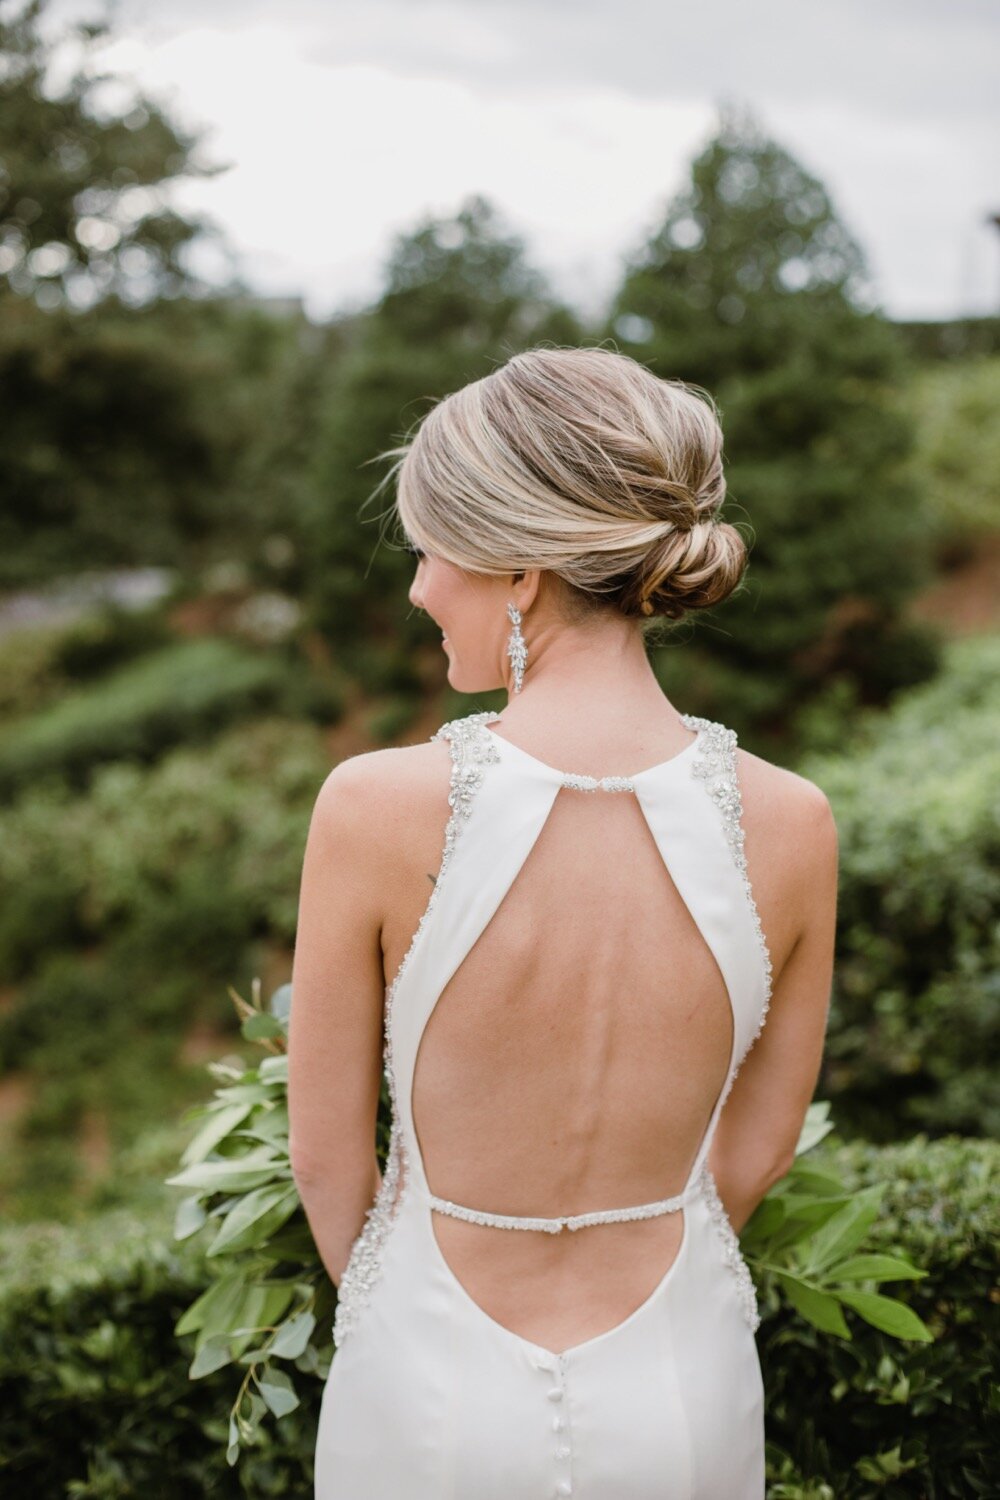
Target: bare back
x,y
602,974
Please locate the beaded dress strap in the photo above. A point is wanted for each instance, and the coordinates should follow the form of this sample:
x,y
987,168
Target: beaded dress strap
x,y
572,1221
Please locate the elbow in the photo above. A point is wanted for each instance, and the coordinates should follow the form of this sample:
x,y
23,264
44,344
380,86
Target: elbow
x,y
306,1170
781,1165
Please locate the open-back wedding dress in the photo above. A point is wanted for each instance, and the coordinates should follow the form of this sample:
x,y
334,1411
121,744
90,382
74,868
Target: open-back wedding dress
x,y
429,1396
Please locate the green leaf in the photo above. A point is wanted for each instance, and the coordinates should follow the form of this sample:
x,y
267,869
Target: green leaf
x,y
815,1126
816,1306
233,1449
233,1174
845,1229
274,1069
255,1217
812,1182
213,1354
189,1218
763,1222
220,1122
278,1391
292,1337
803,1220
260,1027
211,1311
874,1268
890,1465
888,1315
263,1305
280,1003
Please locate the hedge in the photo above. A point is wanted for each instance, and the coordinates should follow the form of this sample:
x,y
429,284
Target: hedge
x,y
915,1012
183,692
88,1354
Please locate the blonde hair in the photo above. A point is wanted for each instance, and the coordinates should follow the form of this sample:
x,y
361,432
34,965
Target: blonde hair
x,y
583,462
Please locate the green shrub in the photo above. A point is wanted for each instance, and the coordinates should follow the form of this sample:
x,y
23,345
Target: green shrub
x,y
188,691
916,997
88,1351
95,1402
957,456
876,1417
123,912
30,674
107,637
226,822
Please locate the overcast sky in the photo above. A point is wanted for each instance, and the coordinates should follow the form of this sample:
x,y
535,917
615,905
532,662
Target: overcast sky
x,y
345,120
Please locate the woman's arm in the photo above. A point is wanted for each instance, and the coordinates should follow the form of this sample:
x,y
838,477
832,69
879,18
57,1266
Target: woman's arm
x,y
759,1127
335,1029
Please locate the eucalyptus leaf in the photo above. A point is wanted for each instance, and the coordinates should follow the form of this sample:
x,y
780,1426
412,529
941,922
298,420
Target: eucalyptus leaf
x,y
292,1337
189,1218
262,1308
213,1354
274,1069
261,1027
232,1173
280,1003
255,1217
216,1128
212,1311
815,1126
278,1391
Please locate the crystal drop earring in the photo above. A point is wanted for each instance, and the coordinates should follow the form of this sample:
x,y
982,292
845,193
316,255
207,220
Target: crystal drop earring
x,y
517,650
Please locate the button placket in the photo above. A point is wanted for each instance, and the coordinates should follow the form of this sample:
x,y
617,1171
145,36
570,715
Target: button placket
x,y
554,1366
562,1450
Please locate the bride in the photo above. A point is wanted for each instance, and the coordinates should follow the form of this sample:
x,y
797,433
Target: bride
x,y
590,941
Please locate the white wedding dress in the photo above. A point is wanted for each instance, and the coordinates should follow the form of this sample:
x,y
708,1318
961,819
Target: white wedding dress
x,y
431,1398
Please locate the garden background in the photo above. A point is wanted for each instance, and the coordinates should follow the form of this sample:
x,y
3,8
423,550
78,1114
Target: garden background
x,y
203,610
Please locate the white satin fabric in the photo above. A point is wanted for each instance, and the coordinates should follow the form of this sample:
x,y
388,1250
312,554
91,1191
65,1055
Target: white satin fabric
x,y
430,1398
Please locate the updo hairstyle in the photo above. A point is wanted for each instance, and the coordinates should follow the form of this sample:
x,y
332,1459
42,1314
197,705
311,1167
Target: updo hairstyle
x,y
582,462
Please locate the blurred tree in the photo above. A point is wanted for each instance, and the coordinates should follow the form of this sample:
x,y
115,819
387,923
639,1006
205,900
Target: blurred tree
x,y
459,300
753,289
83,213
147,421
173,434
957,455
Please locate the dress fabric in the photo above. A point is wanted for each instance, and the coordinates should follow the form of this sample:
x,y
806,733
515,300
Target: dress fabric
x,y
428,1397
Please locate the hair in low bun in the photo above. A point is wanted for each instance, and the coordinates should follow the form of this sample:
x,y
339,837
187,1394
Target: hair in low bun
x,y
691,568
584,463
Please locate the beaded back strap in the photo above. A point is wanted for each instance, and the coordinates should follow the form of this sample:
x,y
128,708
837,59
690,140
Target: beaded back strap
x,y
572,1221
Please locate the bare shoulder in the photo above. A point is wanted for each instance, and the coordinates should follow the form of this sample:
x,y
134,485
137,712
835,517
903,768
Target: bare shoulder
x,y
376,796
787,811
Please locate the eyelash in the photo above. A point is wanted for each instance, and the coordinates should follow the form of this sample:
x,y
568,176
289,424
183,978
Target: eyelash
x,y
414,551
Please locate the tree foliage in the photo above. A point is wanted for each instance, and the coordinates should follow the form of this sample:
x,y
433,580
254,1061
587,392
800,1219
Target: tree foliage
x,y
753,288
459,298
84,212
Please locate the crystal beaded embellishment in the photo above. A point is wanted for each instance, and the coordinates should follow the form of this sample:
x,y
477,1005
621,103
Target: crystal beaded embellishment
x,y
573,1221
745,1289
716,766
597,783
471,750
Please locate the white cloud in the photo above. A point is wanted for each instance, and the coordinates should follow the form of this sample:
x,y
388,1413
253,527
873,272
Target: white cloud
x,y
345,121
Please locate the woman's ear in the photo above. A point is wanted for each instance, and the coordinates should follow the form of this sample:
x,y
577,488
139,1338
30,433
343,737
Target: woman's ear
x,y
525,592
